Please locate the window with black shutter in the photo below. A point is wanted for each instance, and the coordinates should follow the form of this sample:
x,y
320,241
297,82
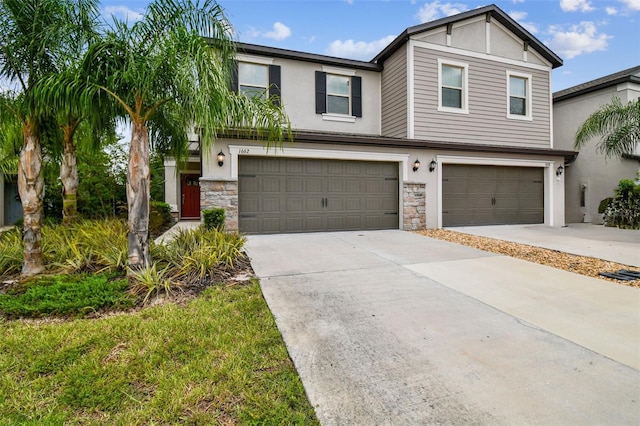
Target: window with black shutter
x,y
338,94
256,80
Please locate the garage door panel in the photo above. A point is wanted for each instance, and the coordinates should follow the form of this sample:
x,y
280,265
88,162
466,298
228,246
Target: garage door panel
x,y
315,195
312,167
270,184
489,195
270,205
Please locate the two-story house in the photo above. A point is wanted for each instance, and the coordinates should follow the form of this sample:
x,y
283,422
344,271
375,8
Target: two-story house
x,y
451,124
593,177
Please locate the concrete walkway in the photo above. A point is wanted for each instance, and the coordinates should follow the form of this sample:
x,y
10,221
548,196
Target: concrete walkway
x,y
390,327
584,239
180,226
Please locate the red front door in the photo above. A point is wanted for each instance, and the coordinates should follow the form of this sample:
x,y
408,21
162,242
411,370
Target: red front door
x,y
190,206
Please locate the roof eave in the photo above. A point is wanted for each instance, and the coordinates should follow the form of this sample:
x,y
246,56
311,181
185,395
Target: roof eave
x,y
586,90
254,49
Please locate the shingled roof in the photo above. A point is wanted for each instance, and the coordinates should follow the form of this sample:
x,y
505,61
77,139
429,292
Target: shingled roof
x,y
628,75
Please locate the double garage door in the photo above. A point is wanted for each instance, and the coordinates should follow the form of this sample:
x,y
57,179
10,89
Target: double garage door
x,y
491,195
307,195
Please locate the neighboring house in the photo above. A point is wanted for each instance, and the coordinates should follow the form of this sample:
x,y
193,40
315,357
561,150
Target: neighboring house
x,y
449,125
592,177
10,206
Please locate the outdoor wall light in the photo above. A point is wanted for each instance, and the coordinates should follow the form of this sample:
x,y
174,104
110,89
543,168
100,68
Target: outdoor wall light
x,y
559,171
220,158
432,165
416,165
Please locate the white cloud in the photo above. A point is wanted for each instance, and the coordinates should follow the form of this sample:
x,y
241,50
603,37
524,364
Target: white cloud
x,y
123,12
632,4
520,16
576,5
435,9
579,39
358,49
280,32
517,1
611,10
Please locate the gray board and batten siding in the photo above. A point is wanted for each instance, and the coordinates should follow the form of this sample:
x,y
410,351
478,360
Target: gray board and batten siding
x,y
310,195
394,95
486,122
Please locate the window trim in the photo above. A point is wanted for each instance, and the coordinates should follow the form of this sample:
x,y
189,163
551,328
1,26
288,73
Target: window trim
x,y
465,86
528,100
338,95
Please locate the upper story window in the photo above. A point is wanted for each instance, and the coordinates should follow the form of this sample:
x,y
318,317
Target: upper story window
x,y
253,79
518,96
338,95
452,87
256,78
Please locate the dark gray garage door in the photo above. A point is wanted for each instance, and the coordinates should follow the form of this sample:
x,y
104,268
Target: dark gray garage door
x,y
305,195
491,195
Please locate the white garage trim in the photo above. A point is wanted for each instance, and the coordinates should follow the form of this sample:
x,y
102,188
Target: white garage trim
x,y
258,151
549,175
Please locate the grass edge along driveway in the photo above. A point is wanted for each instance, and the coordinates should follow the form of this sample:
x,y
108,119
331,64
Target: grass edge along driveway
x,y
219,359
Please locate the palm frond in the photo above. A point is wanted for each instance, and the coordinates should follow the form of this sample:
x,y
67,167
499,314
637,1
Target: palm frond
x,y
617,125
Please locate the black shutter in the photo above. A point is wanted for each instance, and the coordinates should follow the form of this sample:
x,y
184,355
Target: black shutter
x,y
274,83
233,77
356,96
321,92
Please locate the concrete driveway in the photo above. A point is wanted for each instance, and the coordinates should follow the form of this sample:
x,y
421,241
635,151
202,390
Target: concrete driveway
x,y
389,327
584,239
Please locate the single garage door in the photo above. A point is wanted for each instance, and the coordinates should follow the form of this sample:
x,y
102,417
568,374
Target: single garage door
x,y
307,195
491,195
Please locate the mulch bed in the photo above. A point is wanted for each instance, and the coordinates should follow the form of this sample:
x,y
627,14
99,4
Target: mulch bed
x,y
582,265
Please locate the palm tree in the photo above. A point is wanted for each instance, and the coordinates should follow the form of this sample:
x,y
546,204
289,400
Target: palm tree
x,y
617,124
31,35
168,72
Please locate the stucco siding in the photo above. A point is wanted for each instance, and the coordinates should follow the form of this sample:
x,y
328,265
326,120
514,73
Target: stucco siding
x,y
504,44
597,174
394,95
486,122
470,35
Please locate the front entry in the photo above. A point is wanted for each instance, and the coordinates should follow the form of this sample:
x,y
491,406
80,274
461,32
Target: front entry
x,y
190,190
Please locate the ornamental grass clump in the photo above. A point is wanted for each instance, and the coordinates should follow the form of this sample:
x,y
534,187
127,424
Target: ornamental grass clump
x,y
10,252
194,258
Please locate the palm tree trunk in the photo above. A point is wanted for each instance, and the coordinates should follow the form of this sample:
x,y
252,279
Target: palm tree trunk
x,y
69,178
31,190
138,197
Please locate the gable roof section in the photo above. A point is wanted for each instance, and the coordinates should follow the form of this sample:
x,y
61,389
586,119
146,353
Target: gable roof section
x,y
624,76
494,11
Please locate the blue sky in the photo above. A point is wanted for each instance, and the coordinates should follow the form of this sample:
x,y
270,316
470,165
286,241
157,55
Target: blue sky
x,y
593,37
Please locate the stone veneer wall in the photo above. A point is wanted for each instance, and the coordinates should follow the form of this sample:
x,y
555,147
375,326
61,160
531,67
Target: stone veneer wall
x,y
221,194
414,206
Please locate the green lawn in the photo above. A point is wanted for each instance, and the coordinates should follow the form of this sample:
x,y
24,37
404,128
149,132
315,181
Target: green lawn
x,y
219,359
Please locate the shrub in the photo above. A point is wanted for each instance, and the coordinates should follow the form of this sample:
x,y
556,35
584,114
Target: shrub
x,y
66,295
159,217
214,218
624,209
604,204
